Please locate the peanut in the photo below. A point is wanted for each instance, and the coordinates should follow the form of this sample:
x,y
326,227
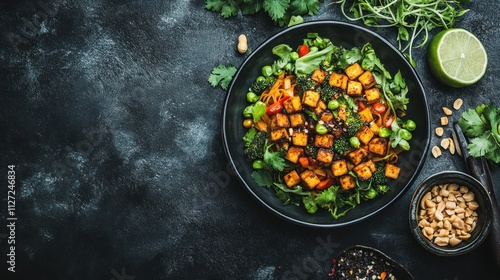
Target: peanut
x,y
451,226
242,44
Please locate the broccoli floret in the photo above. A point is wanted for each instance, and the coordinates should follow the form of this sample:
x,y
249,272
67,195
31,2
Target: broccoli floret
x,y
255,146
327,91
353,123
262,84
382,189
312,150
305,82
378,176
341,145
327,64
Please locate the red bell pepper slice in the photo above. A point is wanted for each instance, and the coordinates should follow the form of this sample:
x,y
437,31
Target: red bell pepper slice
x,y
379,108
276,107
325,184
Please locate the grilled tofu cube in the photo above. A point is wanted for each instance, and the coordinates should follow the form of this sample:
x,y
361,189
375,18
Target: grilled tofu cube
x,y
318,75
347,182
297,120
378,146
363,171
342,112
320,108
374,127
327,116
280,134
310,98
325,156
293,104
354,71
367,79
358,155
371,165
391,171
365,134
339,167
372,95
338,80
354,88
366,115
299,138
310,179
294,153
291,179
279,120
323,141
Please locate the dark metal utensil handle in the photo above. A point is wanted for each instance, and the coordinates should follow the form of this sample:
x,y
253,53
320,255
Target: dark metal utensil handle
x,y
478,167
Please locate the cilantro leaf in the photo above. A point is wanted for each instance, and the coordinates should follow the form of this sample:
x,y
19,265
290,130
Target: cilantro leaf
x,y
325,198
480,146
302,7
262,178
472,124
250,7
276,8
227,8
221,76
482,125
274,159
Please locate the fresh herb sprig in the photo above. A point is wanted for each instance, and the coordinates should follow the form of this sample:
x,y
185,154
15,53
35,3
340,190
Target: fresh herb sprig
x,y
280,11
482,126
222,75
414,19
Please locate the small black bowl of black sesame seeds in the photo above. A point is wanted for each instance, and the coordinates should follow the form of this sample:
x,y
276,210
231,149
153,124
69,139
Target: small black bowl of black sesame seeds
x,y
362,262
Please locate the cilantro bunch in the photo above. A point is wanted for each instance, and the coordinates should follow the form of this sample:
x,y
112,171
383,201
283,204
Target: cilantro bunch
x,y
482,126
280,11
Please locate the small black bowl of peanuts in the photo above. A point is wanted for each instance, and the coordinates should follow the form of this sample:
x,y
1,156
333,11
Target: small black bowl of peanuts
x,y
450,213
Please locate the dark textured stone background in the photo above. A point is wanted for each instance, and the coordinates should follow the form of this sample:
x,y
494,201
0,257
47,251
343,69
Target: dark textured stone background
x,y
115,133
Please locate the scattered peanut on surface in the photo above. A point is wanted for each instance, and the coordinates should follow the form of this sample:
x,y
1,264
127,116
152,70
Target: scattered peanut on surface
x,y
447,214
436,151
447,111
439,131
446,143
242,44
457,104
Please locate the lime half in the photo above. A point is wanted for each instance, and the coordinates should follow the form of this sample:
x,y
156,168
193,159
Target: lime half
x,y
457,58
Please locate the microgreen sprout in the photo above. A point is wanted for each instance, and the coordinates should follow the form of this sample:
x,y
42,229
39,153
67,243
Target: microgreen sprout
x,y
414,19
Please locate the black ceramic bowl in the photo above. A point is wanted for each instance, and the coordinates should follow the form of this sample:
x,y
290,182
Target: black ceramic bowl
x,y
484,212
364,262
348,36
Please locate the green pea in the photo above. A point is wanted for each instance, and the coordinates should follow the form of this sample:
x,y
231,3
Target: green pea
x,y
278,72
252,97
370,194
313,49
260,79
333,104
294,56
321,128
354,141
247,112
384,132
267,71
405,134
258,164
410,125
